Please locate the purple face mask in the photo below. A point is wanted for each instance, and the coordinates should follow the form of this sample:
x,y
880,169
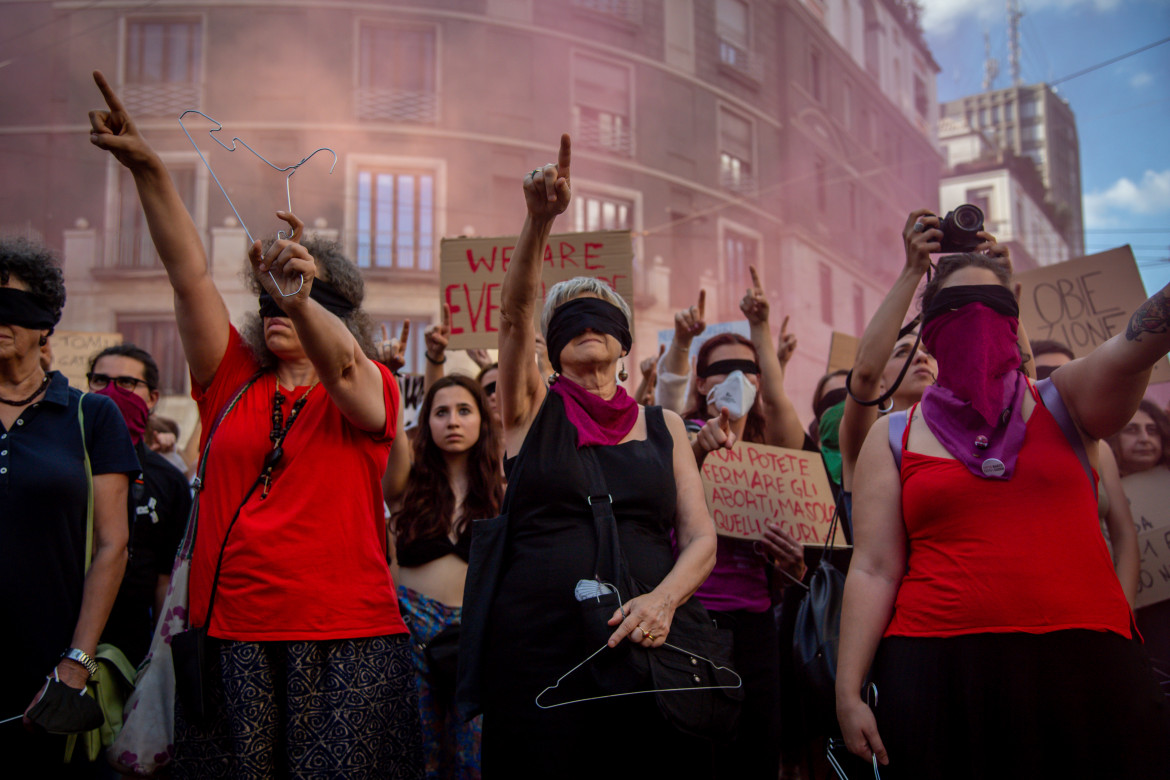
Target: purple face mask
x,y
134,410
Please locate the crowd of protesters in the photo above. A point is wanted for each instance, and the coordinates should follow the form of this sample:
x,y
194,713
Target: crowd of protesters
x,y
369,601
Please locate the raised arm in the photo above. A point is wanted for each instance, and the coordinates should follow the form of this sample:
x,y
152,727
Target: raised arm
x,y
1102,390
871,586
674,366
783,428
1119,522
880,336
437,338
200,312
352,380
520,386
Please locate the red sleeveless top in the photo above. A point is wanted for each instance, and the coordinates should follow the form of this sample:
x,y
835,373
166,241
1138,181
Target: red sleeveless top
x,y
989,556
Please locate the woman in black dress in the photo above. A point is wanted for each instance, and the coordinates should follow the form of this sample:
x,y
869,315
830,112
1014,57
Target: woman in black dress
x,y
535,632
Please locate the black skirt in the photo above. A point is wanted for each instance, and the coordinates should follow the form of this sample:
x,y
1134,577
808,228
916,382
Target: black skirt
x,y
1066,704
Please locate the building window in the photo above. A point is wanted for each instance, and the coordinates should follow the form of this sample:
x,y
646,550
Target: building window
x,y
397,75
740,253
629,11
602,105
921,98
816,75
858,309
164,62
133,248
822,185
158,335
847,106
736,172
395,219
733,28
826,275
602,212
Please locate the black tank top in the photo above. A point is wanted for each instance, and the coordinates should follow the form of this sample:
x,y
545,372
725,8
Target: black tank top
x,y
421,551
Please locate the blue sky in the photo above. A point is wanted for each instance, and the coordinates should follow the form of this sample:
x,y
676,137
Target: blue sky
x,y
1122,110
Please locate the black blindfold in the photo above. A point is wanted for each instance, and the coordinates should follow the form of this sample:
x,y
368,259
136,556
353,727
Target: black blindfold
x,y
727,366
25,310
322,292
994,296
574,317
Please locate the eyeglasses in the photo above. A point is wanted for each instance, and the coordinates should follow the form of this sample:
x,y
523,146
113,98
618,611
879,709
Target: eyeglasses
x,y
128,383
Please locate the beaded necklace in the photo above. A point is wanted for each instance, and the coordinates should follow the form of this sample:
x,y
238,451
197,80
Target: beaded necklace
x,y
280,429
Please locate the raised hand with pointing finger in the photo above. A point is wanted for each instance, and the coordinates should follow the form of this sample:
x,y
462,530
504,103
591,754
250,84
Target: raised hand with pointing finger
x,y
391,352
716,434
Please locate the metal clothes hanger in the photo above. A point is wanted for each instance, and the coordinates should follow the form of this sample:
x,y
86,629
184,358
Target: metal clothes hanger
x,y
595,589
290,169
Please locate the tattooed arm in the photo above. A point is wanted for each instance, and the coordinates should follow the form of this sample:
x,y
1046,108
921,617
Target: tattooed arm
x,y
1102,390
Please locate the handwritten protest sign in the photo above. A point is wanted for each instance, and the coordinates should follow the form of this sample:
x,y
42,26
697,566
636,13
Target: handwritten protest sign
x,y
842,352
72,350
471,276
1149,502
754,483
1084,302
410,390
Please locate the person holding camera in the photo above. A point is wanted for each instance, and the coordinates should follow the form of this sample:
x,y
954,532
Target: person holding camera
x,y
981,602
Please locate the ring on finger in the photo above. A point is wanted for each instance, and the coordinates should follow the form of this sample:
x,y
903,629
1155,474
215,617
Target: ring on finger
x,y
648,635
919,227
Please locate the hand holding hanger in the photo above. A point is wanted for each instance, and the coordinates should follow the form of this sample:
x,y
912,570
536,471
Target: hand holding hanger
x,y
645,619
284,261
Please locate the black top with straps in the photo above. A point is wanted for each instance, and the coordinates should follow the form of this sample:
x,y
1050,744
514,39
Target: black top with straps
x,y
421,551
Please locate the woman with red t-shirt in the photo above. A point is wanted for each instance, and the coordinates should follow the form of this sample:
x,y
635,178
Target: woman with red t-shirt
x,y
980,588
313,674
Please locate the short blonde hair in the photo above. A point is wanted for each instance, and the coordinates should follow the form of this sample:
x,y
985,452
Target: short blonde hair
x,y
574,288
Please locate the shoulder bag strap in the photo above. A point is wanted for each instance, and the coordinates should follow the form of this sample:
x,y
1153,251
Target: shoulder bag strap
x,y
604,523
88,484
898,422
1050,396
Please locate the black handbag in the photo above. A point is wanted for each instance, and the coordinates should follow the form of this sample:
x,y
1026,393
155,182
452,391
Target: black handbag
x,y
193,650
691,675
815,639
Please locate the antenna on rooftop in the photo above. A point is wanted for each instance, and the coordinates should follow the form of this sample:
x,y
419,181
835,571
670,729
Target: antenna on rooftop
x,y
990,64
1013,19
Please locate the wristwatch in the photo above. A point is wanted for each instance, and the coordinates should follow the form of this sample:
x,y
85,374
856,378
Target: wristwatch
x,y
83,658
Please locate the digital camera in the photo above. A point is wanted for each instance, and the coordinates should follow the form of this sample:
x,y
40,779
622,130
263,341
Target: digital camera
x,y
959,228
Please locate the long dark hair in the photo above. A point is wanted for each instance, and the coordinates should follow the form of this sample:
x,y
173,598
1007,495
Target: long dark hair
x,y
428,505
697,407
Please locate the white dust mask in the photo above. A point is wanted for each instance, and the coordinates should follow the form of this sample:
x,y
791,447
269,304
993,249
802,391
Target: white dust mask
x,y
736,394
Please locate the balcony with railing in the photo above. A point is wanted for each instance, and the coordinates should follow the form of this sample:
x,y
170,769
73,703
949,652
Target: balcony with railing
x,y
739,61
131,253
164,98
396,105
603,132
741,183
627,11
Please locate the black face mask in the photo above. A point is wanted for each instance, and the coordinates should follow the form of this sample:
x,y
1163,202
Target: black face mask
x,y
322,292
574,317
725,367
25,310
994,296
65,710
828,401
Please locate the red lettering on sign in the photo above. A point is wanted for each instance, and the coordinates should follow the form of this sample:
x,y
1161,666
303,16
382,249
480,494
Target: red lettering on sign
x,y
567,257
447,297
477,263
588,256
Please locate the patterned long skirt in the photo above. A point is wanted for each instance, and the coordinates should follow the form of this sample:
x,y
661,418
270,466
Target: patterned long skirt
x,y
342,708
451,746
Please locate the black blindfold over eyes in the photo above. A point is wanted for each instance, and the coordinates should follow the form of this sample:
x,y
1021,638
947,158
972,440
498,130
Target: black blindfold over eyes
x,y
994,296
322,292
574,317
25,310
727,366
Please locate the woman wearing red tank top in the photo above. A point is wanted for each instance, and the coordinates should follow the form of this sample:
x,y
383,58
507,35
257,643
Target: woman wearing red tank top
x,y
981,592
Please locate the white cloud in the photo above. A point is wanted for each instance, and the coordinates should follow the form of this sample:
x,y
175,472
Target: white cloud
x,y
1140,80
1124,199
943,16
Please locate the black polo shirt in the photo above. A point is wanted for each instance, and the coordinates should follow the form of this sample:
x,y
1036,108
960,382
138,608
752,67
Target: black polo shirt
x,y
158,509
43,496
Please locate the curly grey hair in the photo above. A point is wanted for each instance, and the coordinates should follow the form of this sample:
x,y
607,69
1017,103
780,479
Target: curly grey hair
x,y
332,266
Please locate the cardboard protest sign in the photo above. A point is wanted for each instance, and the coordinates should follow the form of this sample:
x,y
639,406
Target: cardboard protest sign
x,y
471,276
1149,502
1084,302
842,352
740,327
753,483
410,390
72,350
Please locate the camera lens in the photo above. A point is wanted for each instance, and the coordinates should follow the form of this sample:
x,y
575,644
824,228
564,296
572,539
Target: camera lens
x,y
969,218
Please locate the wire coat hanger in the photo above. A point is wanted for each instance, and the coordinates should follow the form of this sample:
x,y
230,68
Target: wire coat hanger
x,y
289,169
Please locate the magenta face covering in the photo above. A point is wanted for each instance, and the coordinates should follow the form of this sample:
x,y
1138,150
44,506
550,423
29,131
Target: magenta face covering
x,y
597,420
134,410
975,406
